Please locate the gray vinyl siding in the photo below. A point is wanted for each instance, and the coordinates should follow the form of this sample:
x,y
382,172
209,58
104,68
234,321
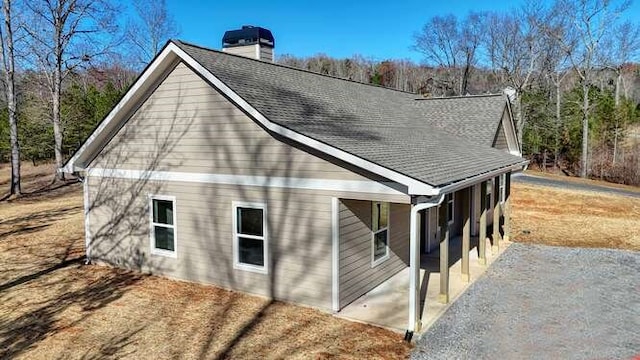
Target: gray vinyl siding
x,y
299,235
266,53
356,275
248,50
500,141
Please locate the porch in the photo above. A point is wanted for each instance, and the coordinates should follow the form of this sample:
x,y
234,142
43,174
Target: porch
x,y
442,258
387,305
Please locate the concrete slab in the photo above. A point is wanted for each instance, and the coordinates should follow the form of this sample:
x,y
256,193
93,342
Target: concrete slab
x,y
388,304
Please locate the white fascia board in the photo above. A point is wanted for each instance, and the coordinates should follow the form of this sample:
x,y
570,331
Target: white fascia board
x,y
359,186
415,187
510,131
136,90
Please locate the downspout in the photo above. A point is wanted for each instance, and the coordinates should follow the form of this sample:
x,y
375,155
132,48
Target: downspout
x,y
414,265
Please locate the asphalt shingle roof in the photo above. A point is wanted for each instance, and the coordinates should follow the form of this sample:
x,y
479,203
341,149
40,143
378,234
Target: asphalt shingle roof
x,y
472,117
388,127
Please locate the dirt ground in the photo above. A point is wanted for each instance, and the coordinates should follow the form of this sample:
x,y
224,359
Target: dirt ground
x,y
561,217
54,307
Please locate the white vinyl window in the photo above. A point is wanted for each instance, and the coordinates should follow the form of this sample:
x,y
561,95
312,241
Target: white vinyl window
x,y
162,213
450,208
489,192
250,237
380,232
503,179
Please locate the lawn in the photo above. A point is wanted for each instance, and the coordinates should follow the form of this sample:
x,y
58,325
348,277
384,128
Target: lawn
x,y
551,216
52,306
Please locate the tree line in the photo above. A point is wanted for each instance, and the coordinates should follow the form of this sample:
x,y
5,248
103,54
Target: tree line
x,y
65,64
570,67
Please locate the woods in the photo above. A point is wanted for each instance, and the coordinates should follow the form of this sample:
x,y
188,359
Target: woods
x,y
570,67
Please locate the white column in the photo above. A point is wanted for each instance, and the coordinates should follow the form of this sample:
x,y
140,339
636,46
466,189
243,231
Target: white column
x,y
414,272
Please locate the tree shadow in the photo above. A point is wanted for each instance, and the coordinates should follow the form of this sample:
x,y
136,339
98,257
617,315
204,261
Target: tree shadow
x,y
20,334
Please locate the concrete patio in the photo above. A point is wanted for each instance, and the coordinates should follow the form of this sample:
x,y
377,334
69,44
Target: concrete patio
x,y
388,304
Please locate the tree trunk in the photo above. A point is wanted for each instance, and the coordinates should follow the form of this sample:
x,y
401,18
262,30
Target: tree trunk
x,y
585,130
618,88
9,64
556,152
55,99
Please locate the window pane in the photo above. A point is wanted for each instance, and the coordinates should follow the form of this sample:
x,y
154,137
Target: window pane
x,y
250,221
380,244
379,216
384,215
163,212
450,211
164,238
251,251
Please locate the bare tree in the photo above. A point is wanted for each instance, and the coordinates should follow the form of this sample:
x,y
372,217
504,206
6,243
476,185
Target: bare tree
x,y
8,61
589,23
513,45
555,65
65,34
620,49
152,27
451,44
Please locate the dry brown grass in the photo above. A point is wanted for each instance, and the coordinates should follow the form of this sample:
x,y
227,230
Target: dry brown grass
x,y
561,217
53,307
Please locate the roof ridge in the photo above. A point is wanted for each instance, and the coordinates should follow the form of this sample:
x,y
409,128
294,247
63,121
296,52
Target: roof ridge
x,y
291,67
461,96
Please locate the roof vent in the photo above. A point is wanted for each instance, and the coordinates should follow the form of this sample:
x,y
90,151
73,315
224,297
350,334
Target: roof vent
x,y
250,41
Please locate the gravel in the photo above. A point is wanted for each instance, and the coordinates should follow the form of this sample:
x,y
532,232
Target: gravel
x,y
544,302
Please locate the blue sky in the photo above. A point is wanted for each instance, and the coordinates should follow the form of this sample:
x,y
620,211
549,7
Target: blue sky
x,y
375,29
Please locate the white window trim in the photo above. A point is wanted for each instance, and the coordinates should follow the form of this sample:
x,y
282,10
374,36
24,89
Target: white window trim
x,y
265,238
152,225
375,262
453,208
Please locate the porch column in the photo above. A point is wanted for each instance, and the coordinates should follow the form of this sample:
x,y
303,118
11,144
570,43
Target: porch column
x,y
507,207
444,253
466,233
482,236
414,272
496,216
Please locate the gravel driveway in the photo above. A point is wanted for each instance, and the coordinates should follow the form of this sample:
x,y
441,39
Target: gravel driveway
x,y
543,302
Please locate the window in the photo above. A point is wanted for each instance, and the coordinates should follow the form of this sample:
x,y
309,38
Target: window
x,y
449,198
489,192
163,225
503,179
250,237
380,229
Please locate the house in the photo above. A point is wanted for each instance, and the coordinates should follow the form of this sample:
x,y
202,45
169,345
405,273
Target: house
x,y
222,169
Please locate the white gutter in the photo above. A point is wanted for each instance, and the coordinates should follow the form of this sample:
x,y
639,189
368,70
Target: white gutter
x,y
482,177
414,262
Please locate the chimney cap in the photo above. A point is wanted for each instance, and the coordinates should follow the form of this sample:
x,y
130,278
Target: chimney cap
x,y
248,35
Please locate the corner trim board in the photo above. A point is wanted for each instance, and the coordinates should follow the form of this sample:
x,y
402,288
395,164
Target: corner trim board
x,y
335,253
249,180
87,223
